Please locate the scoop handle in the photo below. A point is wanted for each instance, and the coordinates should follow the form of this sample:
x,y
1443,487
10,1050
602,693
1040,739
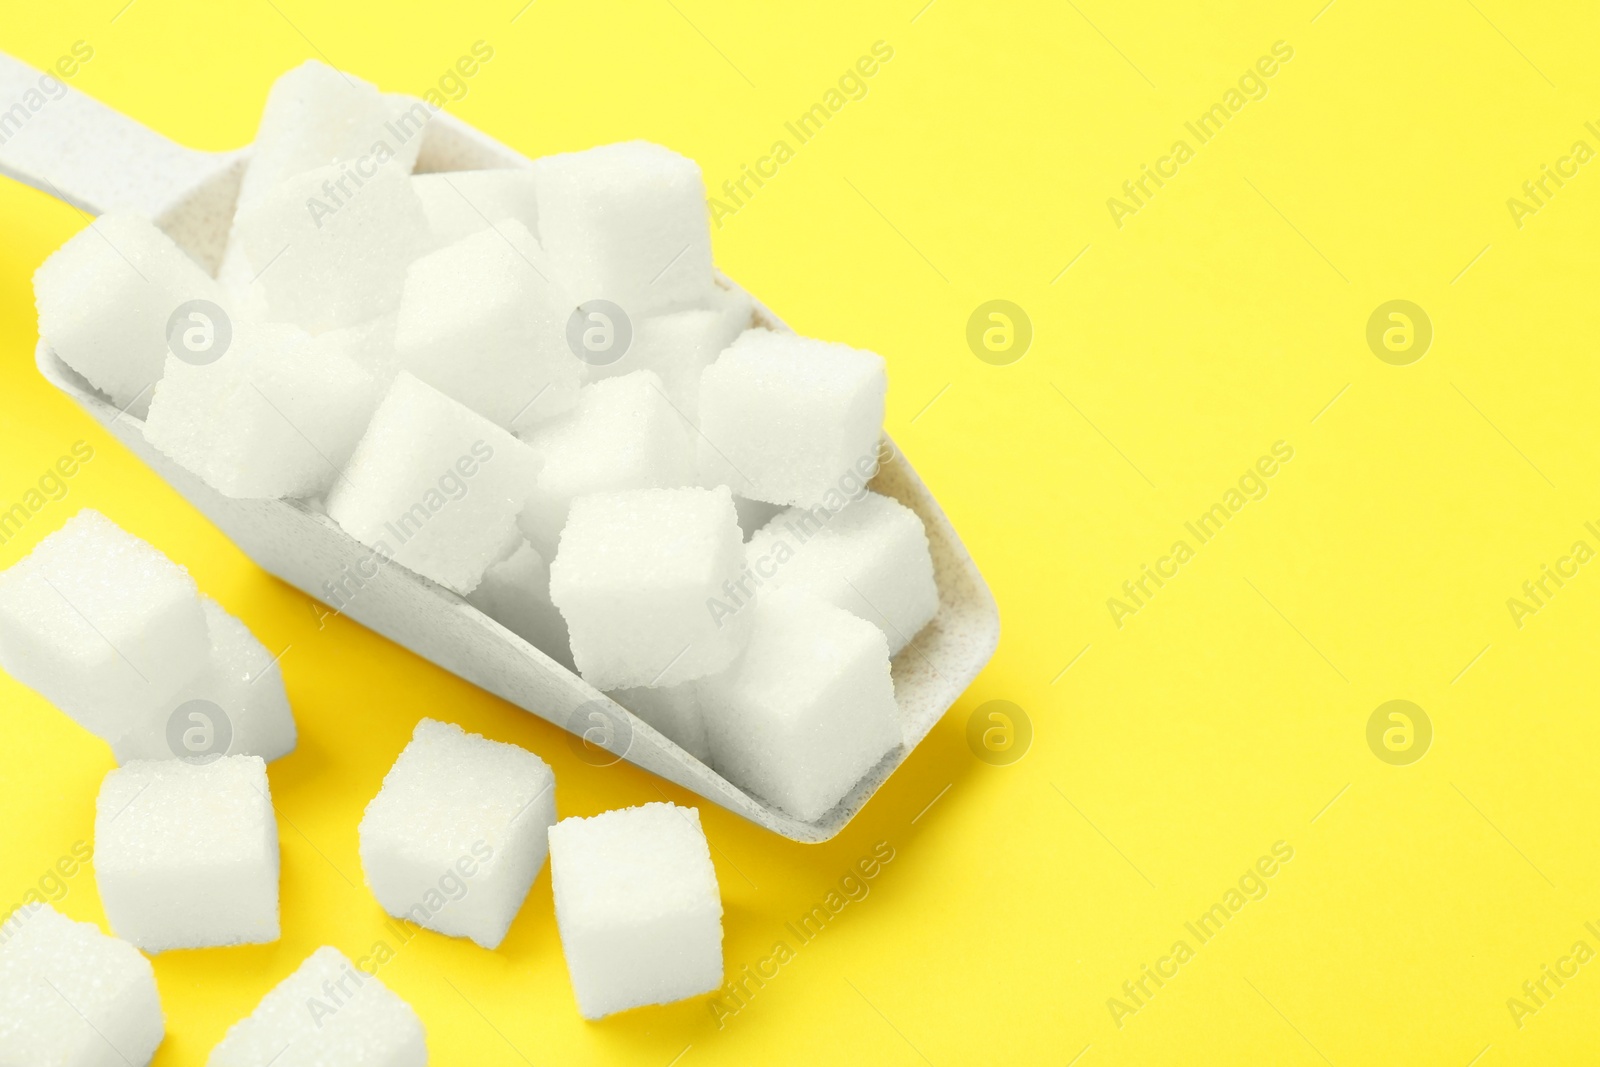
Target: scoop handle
x,y
71,146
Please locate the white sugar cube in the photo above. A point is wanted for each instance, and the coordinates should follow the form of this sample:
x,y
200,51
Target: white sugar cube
x,y
186,854
674,711
316,115
624,434
515,592
638,907
236,706
370,346
680,345
807,709
434,486
627,223
482,322
328,1013
101,624
457,834
330,247
871,559
791,420
276,416
638,578
105,300
72,997
464,202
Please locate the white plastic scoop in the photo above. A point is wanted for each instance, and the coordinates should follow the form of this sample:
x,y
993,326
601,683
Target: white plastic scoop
x,y
81,151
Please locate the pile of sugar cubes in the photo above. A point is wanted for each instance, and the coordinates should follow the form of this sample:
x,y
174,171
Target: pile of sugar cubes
x,y
531,388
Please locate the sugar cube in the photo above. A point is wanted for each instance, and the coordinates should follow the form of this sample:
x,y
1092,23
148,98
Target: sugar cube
x,y
457,834
807,709
638,907
680,345
871,559
100,624
624,434
674,711
235,706
434,486
638,576
316,115
72,997
328,1013
329,247
791,420
481,321
107,297
370,346
186,854
276,416
515,592
627,223
464,202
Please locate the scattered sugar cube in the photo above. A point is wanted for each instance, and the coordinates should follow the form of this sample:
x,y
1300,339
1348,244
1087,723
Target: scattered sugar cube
x,y
624,434
328,1013
316,115
674,711
790,419
105,300
186,854
276,416
807,709
638,907
457,834
754,514
330,247
870,559
100,624
464,202
72,997
515,592
481,321
680,345
627,223
638,577
434,486
236,706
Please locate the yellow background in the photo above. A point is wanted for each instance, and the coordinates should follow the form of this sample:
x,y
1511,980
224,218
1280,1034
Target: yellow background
x,y
1223,717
